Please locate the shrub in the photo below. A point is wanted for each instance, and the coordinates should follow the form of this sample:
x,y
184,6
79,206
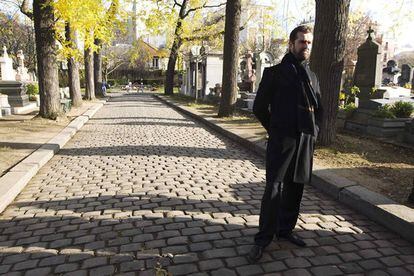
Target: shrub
x,y
384,112
348,109
355,91
32,89
402,109
111,82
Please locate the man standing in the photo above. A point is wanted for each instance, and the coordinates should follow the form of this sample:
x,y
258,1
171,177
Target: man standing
x,y
288,106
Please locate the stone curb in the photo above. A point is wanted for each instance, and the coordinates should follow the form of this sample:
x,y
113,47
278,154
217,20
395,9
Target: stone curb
x,y
394,216
13,182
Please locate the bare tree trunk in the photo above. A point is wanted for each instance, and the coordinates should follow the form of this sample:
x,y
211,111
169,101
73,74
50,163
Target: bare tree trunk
x,y
73,68
90,87
46,51
97,69
169,76
327,59
230,58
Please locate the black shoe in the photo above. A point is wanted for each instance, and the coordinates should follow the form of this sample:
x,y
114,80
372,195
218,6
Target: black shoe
x,y
293,239
255,253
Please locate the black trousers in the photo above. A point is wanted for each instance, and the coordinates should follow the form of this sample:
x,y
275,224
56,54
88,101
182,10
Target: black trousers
x,y
280,209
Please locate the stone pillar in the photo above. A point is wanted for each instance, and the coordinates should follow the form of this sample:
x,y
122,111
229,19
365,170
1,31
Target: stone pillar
x,y
6,66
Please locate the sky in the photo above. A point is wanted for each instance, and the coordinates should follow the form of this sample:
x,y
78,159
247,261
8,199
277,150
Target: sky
x,y
387,13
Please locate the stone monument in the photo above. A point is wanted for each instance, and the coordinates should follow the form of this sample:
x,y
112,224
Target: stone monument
x,y
210,72
368,68
15,90
22,73
406,75
5,108
390,73
264,59
6,64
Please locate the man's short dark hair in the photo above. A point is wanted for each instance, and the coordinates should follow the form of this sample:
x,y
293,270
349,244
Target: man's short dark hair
x,y
299,29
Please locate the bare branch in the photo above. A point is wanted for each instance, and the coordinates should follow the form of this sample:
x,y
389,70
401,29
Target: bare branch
x,y
116,67
206,37
24,8
176,4
204,6
214,21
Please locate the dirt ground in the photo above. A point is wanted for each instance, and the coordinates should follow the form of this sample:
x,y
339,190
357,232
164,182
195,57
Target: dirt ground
x,y
20,135
379,166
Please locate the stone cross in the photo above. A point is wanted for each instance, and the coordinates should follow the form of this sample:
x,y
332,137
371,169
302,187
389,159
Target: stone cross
x,y
370,32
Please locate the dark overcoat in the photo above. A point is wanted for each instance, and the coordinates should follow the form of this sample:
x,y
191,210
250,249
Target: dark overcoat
x,y
279,107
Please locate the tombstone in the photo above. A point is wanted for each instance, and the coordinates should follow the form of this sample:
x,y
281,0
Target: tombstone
x,y
264,59
392,92
406,75
390,73
5,108
247,74
17,97
22,73
209,72
64,92
6,64
368,68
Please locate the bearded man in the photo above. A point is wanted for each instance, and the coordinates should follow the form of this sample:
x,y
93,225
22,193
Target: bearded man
x,y
288,106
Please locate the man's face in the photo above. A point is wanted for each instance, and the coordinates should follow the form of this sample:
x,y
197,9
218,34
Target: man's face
x,y
301,47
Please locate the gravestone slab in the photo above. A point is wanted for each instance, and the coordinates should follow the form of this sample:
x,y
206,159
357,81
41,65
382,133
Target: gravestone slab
x,y
16,92
391,92
368,69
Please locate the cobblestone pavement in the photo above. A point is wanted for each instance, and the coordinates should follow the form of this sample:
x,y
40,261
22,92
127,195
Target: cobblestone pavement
x,y
142,189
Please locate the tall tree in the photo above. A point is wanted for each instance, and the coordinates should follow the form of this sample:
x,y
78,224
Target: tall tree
x,y
327,59
46,52
73,68
97,68
230,58
190,22
177,42
89,77
93,23
104,27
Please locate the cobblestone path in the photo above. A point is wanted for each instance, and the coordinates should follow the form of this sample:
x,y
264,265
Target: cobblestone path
x,y
142,189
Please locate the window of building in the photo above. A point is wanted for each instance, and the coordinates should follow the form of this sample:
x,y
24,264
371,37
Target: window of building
x,y
156,62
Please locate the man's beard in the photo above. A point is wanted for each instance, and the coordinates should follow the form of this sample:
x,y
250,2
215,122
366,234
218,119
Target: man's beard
x,y
301,55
